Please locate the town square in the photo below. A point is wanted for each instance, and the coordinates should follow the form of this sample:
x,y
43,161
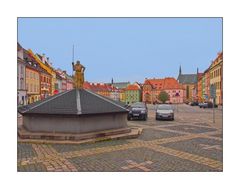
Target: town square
x,y
119,94
191,143
80,113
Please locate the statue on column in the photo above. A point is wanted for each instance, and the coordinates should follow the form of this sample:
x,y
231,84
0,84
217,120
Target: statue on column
x,y
79,75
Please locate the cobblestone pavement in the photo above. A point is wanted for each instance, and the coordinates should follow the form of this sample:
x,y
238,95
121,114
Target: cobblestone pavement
x,y
192,142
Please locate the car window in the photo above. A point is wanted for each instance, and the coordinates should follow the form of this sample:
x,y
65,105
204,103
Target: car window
x,y
164,107
138,105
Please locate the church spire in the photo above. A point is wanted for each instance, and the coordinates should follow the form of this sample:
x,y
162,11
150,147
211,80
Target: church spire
x,y
180,70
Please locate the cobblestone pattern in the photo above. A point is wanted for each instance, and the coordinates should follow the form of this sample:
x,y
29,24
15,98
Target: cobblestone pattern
x,y
151,134
192,129
51,159
201,146
160,161
37,167
181,145
25,151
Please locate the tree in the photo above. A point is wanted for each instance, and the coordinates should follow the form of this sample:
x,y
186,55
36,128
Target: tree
x,y
163,96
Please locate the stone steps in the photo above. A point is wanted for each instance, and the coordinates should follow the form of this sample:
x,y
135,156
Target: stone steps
x,y
71,138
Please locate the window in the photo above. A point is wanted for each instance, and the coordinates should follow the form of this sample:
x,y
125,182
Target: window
x,y
21,70
21,84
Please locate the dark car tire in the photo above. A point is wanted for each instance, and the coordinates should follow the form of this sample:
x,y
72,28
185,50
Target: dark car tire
x,y
145,118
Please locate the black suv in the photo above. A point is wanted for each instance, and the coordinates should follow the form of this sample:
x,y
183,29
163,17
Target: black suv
x,y
138,110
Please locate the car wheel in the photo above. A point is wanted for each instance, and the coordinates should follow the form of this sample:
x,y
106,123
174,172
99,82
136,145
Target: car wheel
x,y
145,118
128,118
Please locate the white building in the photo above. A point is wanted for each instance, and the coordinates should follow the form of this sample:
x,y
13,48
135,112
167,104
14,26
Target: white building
x,y
21,87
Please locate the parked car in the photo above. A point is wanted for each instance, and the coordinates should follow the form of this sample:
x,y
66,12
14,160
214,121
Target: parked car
x,y
201,104
209,105
194,103
138,110
164,111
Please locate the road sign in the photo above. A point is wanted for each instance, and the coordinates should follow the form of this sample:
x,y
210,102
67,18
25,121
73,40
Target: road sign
x,y
213,91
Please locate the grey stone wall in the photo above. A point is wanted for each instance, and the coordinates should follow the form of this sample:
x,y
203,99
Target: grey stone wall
x,y
77,124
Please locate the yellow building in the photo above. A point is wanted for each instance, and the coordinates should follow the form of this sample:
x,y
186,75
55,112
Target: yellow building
x,y
44,63
216,77
122,95
32,84
32,78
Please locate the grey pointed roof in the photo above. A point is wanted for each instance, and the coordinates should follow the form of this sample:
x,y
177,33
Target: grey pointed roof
x,y
187,78
120,85
73,102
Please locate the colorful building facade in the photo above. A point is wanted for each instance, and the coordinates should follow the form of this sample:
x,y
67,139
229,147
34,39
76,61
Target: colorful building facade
x,y
122,96
133,93
21,77
69,82
153,87
216,77
32,78
45,83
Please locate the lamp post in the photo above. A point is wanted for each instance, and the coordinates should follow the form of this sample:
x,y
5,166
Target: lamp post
x,y
177,95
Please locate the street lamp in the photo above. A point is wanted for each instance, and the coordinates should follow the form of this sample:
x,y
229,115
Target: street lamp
x,y
177,95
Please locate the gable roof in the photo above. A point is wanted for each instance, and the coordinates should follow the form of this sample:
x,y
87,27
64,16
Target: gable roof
x,y
120,85
133,87
171,83
73,102
162,84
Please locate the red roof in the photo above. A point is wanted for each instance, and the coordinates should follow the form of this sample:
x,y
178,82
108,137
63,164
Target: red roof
x,y
98,86
132,87
162,84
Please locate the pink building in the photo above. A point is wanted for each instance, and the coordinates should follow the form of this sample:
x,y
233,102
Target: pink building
x,y
69,82
153,87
